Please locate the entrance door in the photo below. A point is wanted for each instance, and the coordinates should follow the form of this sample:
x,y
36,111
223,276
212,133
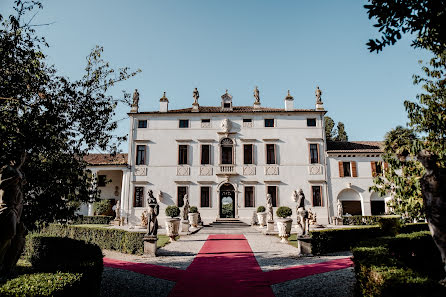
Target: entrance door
x,y
227,201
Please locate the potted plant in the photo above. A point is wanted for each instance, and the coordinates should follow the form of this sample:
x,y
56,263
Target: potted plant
x,y
172,223
261,216
284,222
193,216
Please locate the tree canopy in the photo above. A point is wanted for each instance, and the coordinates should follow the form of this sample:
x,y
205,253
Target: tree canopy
x,y
52,118
332,133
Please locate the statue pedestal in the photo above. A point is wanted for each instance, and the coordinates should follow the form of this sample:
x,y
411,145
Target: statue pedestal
x,y
270,226
304,245
338,221
184,226
150,245
117,222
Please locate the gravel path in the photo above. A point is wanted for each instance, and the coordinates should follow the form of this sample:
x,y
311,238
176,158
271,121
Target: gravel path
x,y
269,252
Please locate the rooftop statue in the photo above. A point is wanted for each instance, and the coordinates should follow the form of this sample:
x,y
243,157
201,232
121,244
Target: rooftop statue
x,y
318,95
257,95
135,98
196,95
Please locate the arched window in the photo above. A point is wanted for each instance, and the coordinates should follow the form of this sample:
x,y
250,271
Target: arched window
x,y
227,151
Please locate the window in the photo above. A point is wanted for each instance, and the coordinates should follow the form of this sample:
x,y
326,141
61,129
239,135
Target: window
x,y
271,153
247,120
182,154
184,124
205,120
138,197
317,195
226,151
180,198
205,154
311,122
377,168
314,153
205,196
227,105
269,122
347,169
102,180
247,154
249,197
142,124
272,190
140,155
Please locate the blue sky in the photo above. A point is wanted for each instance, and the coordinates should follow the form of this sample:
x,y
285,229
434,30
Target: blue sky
x,y
236,45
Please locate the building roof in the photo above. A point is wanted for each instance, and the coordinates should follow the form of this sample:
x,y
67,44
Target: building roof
x,y
235,109
355,146
106,159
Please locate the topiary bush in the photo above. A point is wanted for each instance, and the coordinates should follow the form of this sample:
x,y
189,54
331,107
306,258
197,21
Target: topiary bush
x,y
284,212
172,211
100,220
390,224
57,254
261,208
193,209
103,207
405,265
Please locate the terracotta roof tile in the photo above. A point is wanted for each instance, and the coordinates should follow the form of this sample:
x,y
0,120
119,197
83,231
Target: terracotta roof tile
x,y
106,159
355,146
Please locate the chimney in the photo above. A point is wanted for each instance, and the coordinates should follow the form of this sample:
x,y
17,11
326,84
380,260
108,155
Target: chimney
x,y
164,103
289,102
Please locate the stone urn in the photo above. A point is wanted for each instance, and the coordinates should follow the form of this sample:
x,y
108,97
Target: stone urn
x,y
261,216
172,228
193,219
284,227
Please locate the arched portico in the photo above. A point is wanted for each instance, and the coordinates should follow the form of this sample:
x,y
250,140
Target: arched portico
x,y
351,202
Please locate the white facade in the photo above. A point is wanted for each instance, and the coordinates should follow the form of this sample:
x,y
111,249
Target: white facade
x,y
168,155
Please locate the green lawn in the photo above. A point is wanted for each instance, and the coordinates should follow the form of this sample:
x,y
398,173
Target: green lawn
x,y
163,240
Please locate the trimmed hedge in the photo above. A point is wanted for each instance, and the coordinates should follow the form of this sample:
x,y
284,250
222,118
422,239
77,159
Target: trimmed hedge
x,y
335,240
405,265
100,220
414,227
360,220
44,284
106,238
62,266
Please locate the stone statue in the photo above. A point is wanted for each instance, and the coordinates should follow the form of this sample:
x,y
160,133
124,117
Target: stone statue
x,y
144,218
196,95
153,212
135,98
254,218
160,196
226,125
295,197
312,217
12,236
302,214
318,95
340,209
269,206
186,208
118,210
257,95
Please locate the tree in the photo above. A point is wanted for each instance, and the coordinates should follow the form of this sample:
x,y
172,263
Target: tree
x,y
424,19
332,134
402,176
342,135
55,120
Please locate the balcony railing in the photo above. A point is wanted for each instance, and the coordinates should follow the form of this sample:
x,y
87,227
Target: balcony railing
x,y
227,169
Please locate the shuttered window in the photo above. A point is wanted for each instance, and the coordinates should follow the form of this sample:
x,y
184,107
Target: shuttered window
x,y
182,154
270,154
138,197
347,169
314,153
140,155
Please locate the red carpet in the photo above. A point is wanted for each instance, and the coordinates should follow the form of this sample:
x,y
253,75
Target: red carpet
x,y
226,266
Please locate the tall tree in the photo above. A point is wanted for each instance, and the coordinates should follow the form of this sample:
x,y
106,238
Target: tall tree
x,y
425,20
401,178
332,133
55,120
341,133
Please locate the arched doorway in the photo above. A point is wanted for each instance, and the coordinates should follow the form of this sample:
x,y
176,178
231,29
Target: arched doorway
x,y
227,201
351,202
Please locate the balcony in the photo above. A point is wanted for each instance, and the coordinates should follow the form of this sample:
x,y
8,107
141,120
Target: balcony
x,y
226,169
